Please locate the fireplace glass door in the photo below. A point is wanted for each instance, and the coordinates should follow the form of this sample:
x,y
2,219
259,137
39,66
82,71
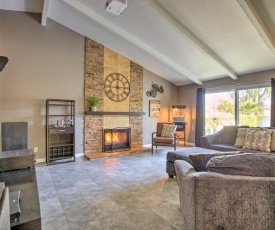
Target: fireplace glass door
x,y
116,139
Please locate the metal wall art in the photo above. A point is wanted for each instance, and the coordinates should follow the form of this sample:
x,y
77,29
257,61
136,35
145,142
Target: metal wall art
x,y
154,90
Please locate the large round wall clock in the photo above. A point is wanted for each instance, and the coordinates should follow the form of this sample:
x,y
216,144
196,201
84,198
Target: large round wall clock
x,y
117,87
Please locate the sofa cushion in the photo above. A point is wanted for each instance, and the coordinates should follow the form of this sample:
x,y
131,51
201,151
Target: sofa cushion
x,y
184,154
249,150
245,164
163,140
241,136
229,134
272,144
223,147
258,140
200,160
168,130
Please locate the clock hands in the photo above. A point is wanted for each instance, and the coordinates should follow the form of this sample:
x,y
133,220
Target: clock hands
x,y
116,87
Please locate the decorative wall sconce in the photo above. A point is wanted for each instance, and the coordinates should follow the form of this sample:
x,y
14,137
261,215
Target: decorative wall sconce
x,y
154,90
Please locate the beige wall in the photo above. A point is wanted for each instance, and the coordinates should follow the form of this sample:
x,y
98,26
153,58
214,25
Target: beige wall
x,y
44,62
187,94
167,99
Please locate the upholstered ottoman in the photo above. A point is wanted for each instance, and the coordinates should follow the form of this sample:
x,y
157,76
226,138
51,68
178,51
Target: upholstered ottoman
x,y
182,154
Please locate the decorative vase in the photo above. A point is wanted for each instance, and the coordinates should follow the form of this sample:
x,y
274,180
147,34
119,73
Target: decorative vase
x,y
93,108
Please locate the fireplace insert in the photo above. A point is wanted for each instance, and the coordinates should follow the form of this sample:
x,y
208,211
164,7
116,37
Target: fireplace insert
x,y
116,139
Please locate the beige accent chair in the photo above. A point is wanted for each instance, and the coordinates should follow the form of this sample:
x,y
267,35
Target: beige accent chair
x,y
158,140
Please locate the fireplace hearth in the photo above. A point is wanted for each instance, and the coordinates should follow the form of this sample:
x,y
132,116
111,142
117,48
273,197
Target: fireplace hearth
x,y
116,139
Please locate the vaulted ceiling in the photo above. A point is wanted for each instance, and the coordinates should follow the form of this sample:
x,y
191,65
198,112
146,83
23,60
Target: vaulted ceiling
x,y
182,41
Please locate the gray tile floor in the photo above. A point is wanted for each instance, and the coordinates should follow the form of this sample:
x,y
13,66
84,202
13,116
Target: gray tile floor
x,y
130,191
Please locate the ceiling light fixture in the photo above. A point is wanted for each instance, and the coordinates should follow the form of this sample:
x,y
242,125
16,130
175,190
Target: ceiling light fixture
x,y
115,6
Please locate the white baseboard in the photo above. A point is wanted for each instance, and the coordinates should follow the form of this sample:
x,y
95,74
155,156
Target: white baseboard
x,y
41,160
79,154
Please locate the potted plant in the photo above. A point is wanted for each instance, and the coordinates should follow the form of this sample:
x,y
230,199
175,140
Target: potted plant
x,y
93,101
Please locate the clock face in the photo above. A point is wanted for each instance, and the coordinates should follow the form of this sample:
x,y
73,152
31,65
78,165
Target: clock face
x,y
117,87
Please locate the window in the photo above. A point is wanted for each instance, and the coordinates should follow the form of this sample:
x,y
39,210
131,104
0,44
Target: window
x,y
252,109
219,110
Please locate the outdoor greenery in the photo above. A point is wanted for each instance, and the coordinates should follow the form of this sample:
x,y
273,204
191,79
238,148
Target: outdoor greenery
x,y
252,103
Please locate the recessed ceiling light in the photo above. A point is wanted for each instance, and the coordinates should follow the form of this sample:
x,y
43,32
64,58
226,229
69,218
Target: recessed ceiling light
x,y
115,6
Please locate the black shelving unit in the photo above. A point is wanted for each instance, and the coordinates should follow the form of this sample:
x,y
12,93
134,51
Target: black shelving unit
x,y
60,131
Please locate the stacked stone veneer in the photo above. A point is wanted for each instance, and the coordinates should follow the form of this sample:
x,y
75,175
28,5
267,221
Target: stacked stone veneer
x,y
99,63
136,104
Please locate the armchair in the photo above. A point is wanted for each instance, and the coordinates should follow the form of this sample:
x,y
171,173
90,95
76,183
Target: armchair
x,y
163,140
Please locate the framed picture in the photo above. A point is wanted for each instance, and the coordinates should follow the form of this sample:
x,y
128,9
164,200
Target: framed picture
x,y
154,108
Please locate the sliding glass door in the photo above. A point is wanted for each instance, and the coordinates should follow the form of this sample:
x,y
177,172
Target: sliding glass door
x,y
254,107
219,110
241,107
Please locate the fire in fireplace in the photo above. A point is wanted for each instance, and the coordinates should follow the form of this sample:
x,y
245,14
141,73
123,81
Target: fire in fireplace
x,y
116,139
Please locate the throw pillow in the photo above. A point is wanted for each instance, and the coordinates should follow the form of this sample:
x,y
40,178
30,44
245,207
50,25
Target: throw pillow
x,y
199,160
168,130
245,164
258,140
241,136
272,144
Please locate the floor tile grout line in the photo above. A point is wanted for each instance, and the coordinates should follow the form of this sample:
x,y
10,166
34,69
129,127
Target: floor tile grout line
x,y
59,201
131,218
108,175
72,207
101,209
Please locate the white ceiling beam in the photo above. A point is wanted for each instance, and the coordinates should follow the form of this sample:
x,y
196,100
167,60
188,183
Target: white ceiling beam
x,y
132,39
33,6
258,23
192,38
45,11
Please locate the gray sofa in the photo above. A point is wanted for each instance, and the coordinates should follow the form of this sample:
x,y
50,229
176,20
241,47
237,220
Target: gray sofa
x,y
224,140
211,200
182,154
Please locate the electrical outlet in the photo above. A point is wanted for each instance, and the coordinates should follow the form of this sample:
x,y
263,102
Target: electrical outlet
x,y
35,149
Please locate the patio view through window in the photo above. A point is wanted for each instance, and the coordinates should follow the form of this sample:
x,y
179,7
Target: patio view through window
x,y
253,108
219,110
